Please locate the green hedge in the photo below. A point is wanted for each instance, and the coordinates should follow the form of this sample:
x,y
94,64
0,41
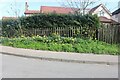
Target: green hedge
x,y
59,20
14,27
10,27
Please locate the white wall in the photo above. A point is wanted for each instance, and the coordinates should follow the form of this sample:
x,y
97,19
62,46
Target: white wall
x,y
105,12
116,17
119,17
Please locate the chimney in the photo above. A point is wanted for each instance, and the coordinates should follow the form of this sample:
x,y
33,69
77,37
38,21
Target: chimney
x,y
26,6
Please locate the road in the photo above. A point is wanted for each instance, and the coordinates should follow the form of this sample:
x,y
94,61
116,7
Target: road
x,y
19,67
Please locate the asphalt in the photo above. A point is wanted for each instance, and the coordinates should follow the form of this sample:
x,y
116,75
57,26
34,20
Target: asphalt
x,y
61,56
22,67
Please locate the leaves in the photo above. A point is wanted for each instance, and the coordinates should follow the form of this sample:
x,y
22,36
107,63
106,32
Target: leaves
x,y
59,20
62,44
88,22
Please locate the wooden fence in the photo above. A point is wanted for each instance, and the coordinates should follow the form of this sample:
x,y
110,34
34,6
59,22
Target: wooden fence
x,y
109,33
67,32
106,33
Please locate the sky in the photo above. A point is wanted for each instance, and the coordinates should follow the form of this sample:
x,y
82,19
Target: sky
x,y
8,7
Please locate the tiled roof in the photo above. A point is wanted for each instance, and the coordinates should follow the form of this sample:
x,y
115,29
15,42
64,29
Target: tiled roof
x,y
32,12
106,20
53,9
93,9
61,10
116,12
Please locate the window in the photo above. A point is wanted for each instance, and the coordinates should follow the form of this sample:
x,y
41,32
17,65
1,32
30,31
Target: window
x,y
101,13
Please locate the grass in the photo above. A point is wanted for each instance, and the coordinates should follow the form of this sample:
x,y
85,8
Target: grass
x,y
58,43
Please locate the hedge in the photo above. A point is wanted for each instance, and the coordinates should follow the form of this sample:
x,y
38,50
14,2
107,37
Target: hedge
x,y
10,27
14,27
59,20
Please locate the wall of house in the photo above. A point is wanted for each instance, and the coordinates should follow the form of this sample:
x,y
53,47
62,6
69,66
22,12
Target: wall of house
x,y
29,14
116,17
97,11
119,17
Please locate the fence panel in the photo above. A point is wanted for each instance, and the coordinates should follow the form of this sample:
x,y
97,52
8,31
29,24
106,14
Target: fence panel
x,y
107,33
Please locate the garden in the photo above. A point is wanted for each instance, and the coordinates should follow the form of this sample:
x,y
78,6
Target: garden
x,y
57,43
82,40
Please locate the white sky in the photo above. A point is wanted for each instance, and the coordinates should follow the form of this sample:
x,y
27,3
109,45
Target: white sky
x,y
51,0
5,5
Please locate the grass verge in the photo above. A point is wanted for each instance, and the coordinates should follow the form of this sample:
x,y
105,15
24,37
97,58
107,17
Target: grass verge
x,y
77,45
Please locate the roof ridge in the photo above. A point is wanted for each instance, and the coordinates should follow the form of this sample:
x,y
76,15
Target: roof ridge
x,y
57,6
102,5
116,11
61,7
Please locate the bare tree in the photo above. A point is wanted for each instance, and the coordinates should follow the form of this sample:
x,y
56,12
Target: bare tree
x,y
14,10
78,6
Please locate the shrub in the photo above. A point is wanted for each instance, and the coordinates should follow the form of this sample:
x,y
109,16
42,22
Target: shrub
x,y
78,48
16,27
10,27
54,47
67,47
48,43
60,20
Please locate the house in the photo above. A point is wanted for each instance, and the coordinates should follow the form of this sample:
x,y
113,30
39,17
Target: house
x,y
103,13
58,10
101,10
116,15
51,9
30,12
48,9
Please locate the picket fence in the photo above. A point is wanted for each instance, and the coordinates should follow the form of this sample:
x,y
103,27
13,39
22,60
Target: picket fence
x,y
107,33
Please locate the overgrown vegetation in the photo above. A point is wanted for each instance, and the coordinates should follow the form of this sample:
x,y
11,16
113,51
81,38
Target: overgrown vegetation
x,y
59,20
12,29
15,27
57,43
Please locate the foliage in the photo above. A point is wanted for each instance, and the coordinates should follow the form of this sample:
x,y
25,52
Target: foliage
x,y
63,44
15,27
10,27
59,20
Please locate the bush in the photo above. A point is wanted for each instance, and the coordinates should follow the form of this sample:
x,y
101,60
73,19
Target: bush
x,y
54,47
48,43
59,20
15,27
10,28
67,47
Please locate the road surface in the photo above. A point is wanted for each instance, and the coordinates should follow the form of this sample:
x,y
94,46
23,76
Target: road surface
x,y
20,67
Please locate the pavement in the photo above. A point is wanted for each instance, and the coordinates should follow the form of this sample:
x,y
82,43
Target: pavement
x,y
61,56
